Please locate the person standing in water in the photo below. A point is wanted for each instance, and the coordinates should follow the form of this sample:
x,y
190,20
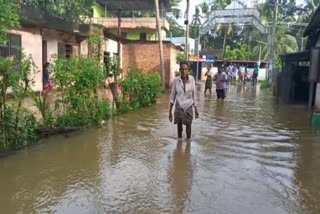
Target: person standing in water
x,y
255,75
220,79
46,78
209,79
183,97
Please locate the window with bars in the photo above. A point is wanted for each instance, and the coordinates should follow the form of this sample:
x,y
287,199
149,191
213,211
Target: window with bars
x,y
64,50
12,47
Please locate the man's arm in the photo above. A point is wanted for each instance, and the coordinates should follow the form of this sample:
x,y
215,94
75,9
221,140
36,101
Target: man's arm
x,y
172,99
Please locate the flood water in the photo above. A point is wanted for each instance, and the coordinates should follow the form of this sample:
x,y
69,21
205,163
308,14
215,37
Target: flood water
x,y
248,155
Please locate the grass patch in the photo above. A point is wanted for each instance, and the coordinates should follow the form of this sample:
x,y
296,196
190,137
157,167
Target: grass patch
x,y
264,84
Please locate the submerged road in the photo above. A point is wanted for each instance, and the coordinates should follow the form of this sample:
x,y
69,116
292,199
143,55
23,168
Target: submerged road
x,y
248,154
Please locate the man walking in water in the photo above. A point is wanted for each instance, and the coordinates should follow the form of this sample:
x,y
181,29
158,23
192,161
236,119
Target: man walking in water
x,y
209,79
229,73
183,96
255,75
220,79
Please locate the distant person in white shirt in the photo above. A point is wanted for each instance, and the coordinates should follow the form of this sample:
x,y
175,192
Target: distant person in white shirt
x,y
242,73
234,73
209,74
183,97
229,72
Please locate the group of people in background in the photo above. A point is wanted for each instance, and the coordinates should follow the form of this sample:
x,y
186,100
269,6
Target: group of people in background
x,y
228,75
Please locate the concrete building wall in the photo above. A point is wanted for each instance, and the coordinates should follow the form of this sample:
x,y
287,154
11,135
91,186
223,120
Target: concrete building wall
x,y
146,56
111,46
131,23
52,47
134,34
31,43
84,48
49,34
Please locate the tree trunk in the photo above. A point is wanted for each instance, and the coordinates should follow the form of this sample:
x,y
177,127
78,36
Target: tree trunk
x,y
224,43
187,31
160,45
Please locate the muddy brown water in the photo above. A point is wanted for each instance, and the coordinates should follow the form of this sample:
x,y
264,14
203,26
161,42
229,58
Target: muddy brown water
x,y
248,154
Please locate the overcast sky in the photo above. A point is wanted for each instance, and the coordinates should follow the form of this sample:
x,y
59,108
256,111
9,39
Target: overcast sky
x,y
193,4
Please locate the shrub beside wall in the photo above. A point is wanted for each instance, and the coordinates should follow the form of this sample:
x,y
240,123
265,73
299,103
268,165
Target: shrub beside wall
x,y
74,101
139,90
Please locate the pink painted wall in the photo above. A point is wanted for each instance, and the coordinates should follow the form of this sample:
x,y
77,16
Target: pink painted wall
x,y
31,41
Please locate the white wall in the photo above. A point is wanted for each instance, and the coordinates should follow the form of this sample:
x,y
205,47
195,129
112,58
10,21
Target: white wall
x,y
262,73
52,50
111,46
164,35
204,70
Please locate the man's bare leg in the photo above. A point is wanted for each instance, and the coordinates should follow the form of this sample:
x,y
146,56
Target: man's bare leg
x,y
180,129
188,130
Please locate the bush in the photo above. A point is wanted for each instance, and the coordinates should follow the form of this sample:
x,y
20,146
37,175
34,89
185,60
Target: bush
x,y
78,81
139,89
181,57
17,126
264,84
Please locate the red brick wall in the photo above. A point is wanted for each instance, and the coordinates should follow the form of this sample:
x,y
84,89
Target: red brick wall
x,y
146,56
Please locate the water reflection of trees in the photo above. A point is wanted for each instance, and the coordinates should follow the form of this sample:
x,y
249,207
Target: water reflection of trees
x,y
180,176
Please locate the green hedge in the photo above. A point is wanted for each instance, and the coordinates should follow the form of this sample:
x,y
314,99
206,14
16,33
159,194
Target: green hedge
x,y
139,90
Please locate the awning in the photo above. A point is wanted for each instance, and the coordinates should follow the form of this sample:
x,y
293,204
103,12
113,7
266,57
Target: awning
x,y
297,57
30,16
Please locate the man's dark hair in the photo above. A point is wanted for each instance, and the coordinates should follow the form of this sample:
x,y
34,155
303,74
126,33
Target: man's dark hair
x,y
184,63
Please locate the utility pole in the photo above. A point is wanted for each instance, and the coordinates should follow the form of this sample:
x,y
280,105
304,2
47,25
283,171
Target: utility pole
x,y
259,55
163,83
273,36
302,41
186,22
224,44
119,31
198,52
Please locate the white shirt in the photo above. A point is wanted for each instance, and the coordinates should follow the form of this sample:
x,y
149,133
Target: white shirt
x,y
242,70
185,98
229,70
210,73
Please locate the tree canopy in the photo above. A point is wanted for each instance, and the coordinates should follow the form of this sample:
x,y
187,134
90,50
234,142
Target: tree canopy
x,y
8,18
70,10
